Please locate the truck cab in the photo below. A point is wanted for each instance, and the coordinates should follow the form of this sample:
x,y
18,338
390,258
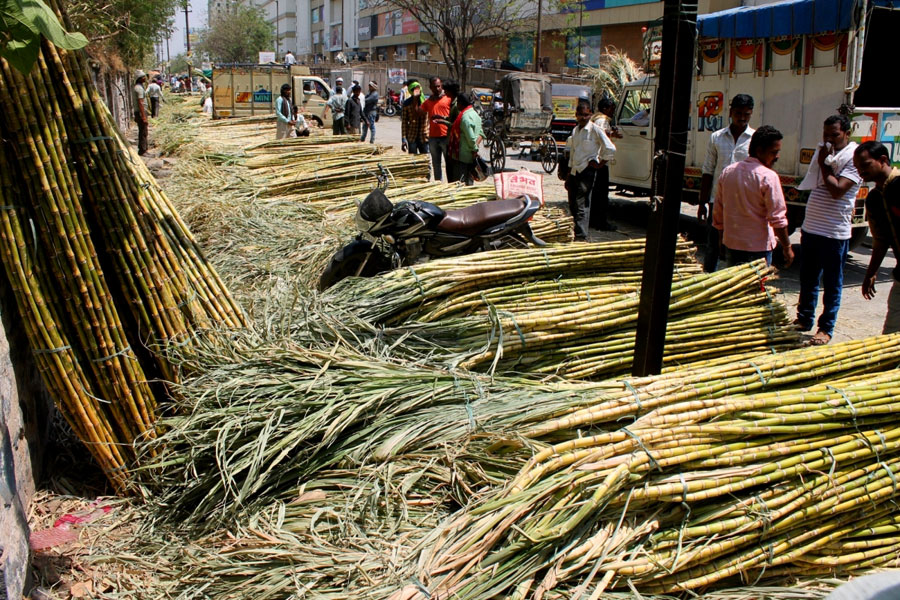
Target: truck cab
x,y
311,95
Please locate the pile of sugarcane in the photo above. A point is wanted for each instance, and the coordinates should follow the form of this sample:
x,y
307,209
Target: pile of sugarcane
x,y
104,272
564,310
311,158
297,143
700,488
762,467
337,180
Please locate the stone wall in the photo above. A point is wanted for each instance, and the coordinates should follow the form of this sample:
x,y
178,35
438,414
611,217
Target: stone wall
x,y
24,429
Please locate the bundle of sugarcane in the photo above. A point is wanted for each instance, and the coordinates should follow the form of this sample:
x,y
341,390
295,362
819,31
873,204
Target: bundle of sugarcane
x,y
397,295
265,417
691,494
715,313
353,176
294,144
112,273
307,159
447,423
263,119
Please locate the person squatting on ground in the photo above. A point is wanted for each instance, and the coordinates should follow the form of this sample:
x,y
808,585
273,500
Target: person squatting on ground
x,y
301,129
750,213
370,113
138,97
726,146
413,123
873,163
599,208
336,103
437,108
283,113
465,135
589,149
825,234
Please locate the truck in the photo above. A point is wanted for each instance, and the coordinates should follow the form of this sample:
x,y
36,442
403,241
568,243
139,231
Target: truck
x,y
241,90
801,60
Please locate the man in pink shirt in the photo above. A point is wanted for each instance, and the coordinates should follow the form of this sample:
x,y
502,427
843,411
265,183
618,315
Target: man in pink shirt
x,y
752,213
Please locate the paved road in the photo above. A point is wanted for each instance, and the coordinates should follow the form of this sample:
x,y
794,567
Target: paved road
x,y
857,318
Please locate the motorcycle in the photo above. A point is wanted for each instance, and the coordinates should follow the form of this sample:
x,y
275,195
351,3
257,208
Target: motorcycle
x,y
391,103
395,235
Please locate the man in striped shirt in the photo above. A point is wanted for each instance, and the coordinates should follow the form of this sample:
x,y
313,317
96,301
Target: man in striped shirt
x,y
825,237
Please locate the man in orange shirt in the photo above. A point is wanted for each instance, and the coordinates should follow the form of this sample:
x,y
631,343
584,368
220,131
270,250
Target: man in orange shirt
x,y
437,107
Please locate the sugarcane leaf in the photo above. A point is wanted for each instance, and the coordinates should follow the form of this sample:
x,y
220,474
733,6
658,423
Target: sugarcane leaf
x,y
22,22
21,54
41,17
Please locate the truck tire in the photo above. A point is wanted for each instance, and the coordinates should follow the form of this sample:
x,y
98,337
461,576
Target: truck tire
x,y
857,235
348,261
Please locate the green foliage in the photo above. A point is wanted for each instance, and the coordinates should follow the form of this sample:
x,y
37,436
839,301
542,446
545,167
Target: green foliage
x,y
22,23
456,24
127,29
178,64
237,35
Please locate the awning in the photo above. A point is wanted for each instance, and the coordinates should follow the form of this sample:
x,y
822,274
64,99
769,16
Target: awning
x,y
791,18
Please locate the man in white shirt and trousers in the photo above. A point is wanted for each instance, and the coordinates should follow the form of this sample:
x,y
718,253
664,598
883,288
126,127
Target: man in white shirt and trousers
x,y
589,149
726,146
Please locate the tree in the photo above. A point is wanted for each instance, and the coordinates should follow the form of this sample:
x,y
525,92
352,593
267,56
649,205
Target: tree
x,y
123,29
456,24
237,35
178,64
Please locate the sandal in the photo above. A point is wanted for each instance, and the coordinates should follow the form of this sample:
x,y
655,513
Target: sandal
x,y
820,339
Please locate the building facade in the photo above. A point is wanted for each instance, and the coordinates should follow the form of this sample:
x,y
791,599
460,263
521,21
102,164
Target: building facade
x,y
326,30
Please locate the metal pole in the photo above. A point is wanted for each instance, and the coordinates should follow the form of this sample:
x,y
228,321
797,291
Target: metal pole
x,y
671,115
277,28
187,39
580,35
537,45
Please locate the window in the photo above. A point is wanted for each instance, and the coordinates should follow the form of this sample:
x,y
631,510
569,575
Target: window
x,y
316,14
635,108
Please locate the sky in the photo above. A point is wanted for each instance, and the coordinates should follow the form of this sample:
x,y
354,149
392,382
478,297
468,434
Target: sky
x,y
196,18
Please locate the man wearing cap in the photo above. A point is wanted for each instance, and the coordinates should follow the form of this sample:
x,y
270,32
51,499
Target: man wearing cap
x,y
138,96
370,110
337,103
284,113
339,86
413,124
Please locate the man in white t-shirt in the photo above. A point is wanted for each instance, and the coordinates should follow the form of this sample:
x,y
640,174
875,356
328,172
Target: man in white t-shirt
x,y
825,239
289,59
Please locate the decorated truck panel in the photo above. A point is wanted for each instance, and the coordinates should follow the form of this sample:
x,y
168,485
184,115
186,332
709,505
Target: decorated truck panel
x,y
801,60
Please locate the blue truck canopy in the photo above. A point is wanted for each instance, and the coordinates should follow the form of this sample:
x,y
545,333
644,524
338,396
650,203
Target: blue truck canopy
x,y
790,18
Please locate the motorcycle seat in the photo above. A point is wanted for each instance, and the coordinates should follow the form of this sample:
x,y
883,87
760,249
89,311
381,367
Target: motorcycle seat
x,y
474,219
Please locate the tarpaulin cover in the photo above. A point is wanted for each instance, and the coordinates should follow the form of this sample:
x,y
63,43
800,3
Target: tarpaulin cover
x,y
791,18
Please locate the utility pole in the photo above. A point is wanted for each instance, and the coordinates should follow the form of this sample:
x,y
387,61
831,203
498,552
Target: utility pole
x,y
187,39
277,29
537,45
671,115
580,36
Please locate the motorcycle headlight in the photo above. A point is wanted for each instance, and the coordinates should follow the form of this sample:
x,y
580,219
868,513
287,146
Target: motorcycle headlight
x,y
362,224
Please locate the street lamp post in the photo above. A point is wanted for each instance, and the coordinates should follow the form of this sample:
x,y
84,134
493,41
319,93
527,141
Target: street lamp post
x,y
277,28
